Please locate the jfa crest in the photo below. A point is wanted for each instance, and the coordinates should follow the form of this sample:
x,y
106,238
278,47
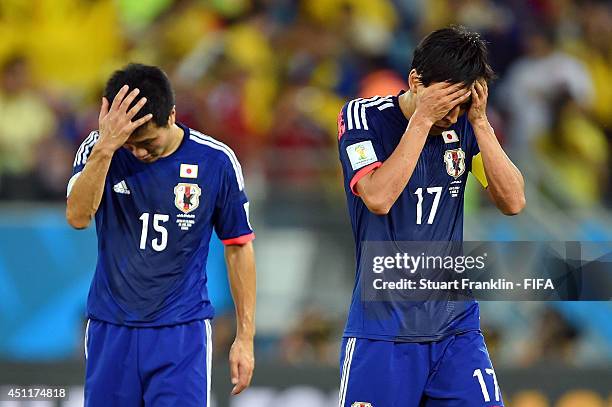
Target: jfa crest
x,y
455,162
187,197
361,404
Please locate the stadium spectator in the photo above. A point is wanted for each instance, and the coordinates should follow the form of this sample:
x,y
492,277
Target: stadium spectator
x,y
25,120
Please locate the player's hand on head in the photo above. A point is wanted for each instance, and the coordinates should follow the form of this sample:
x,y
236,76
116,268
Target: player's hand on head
x,y
115,120
242,364
435,101
480,94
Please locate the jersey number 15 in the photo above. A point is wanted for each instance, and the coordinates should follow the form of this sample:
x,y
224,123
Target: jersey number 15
x,y
160,243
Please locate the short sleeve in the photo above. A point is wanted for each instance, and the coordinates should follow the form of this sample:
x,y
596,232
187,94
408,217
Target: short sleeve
x,y
81,158
359,147
231,218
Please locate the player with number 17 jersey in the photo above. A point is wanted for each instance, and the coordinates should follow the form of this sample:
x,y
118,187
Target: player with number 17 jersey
x,y
405,160
432,204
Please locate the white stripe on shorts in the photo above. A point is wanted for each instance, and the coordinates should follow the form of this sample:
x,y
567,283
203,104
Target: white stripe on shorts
x,y
208,359
86,336
346,369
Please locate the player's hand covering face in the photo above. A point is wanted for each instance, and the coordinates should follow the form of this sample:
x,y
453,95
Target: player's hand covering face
x,y
242,363
115,121
480,94
441,103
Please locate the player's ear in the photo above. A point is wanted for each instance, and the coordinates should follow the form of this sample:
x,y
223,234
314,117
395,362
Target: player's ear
x,y
172,117
413,80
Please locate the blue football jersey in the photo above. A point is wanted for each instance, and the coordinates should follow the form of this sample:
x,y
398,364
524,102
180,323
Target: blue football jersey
x,y
154,225
429,209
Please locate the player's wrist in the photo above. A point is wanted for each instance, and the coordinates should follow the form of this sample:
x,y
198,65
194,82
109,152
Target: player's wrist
x,y
482,127
480,121
245,334
102,151
421,119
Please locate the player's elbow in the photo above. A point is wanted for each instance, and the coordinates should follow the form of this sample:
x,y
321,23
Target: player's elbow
x,y
515,206
377,200
380,210
76,220
378,205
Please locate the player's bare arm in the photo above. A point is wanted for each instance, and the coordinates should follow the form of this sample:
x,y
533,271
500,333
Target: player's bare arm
x,y
506,184
381,188
115,126
240,261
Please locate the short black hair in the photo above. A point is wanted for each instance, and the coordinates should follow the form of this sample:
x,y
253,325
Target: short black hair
x,y
454,55
152,83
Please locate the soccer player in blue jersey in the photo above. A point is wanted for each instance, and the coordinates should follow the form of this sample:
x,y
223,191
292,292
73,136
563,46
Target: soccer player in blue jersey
x,y
156,189
405,161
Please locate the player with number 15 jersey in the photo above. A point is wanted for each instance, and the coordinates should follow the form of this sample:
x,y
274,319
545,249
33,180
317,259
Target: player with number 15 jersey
x,y
157,192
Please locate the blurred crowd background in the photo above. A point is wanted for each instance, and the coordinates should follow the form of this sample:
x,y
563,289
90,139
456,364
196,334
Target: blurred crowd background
x,y
269,78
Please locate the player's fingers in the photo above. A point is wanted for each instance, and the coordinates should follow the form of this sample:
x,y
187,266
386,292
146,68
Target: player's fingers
x,y
452,87
238,388
243,380
484,87
480,91
103,109
234,372
458,96
136,108
119,97
475,97
129,99
246,371
453,92
141,121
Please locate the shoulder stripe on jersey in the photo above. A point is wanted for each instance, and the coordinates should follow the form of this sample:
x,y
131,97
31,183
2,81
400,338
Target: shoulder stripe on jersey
x,y
366,105
90,147
356,111
81,147
352,111
358,108
385,106
87,140
349,114
85,148
217,145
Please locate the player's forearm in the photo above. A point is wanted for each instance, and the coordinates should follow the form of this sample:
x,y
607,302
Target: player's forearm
x,y
383,186
86,193
506,184
240,261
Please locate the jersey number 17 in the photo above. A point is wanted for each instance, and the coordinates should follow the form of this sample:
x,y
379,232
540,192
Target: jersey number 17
x,y
434,208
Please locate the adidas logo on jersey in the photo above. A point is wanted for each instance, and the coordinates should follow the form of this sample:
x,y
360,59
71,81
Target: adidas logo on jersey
x,y
121,188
